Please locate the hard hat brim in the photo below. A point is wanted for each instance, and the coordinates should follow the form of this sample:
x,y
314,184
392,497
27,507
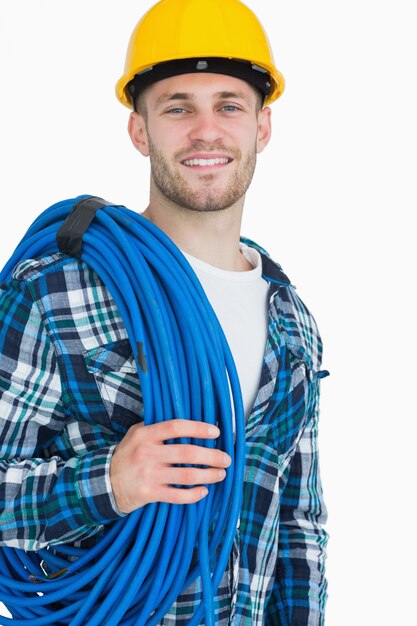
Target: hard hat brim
x,y
270,83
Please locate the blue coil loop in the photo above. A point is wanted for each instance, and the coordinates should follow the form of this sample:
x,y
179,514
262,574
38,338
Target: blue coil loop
x,y
142,562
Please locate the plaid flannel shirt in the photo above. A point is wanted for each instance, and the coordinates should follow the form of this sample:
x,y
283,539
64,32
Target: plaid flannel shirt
x,y
69,391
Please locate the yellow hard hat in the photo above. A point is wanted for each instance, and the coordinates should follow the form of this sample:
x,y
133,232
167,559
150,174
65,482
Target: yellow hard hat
x,y
181,36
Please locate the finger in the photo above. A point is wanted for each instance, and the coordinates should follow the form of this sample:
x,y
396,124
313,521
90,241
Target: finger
x,y
190,476
190,454
176,428
174,495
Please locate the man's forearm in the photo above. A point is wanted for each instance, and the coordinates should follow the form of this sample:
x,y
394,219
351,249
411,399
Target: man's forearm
x,y
50,502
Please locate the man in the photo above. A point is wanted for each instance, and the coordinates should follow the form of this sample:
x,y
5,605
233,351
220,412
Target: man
x,y
199,75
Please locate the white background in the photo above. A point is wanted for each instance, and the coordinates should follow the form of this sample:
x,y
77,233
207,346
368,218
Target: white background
x,y
332,201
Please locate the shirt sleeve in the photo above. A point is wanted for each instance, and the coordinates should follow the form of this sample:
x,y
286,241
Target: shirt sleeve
x,y
43,500
300,588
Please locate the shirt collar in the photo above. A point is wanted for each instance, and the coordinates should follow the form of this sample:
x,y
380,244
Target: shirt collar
x,y
271,271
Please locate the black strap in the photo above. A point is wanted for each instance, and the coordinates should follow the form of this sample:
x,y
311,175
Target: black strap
x,y
70,236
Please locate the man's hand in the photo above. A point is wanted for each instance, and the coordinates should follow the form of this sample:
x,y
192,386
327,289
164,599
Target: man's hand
x,y
141,469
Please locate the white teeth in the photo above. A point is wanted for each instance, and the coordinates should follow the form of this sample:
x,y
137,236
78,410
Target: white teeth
x,y
206,162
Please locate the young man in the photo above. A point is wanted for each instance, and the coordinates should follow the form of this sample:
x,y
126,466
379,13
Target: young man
x,y
201,117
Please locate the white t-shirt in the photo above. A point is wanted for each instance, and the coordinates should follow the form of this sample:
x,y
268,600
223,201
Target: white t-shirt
x,y
239,300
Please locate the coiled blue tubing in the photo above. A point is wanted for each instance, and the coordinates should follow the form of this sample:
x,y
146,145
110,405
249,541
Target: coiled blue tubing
x,y
143,561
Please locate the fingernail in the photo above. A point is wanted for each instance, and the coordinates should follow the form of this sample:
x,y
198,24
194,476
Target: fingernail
x,y
204,492
213,431
222,473
227,460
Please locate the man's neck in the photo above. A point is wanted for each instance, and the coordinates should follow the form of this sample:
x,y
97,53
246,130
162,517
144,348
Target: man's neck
x,y
211,236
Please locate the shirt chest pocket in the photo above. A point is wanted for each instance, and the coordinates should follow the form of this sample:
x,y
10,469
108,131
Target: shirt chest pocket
x,y
115,373
294,399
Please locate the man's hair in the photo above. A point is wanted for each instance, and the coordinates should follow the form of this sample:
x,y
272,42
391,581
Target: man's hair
x,y
139,103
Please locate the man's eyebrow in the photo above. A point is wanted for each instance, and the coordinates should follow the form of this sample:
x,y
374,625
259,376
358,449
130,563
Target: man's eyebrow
x,y
185,96
226,95
169,97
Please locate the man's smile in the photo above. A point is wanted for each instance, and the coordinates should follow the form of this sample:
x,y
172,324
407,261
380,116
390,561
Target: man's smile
x,y
199,161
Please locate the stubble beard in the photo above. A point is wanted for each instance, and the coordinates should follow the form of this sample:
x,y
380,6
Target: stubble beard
x,y
208,198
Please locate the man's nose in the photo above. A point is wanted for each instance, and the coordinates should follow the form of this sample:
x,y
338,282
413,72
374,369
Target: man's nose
x,y
206,128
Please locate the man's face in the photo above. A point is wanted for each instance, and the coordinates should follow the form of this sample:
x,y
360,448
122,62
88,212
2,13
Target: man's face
x,y
202,133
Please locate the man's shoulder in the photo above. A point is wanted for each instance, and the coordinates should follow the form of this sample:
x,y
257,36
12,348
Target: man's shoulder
x,y
76,307
53,277
297,324
35,269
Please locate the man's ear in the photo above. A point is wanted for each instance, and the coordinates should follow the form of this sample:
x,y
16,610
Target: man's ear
x,y
264,129
138,133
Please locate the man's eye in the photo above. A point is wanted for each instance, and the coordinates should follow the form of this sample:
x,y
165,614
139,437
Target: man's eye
x,y
230,107
176,110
